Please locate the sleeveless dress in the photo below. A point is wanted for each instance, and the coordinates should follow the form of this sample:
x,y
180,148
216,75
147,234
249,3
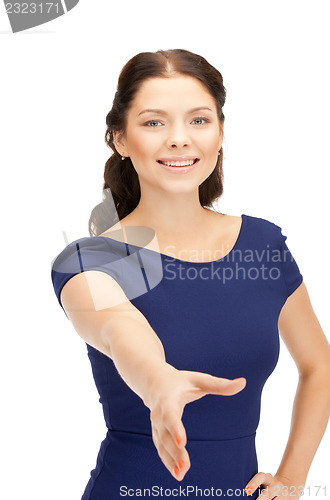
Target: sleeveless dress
x,y
218,317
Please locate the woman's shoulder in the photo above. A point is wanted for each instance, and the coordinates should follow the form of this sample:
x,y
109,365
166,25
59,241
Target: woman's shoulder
x,y
261,222
90,242
264,229
86,251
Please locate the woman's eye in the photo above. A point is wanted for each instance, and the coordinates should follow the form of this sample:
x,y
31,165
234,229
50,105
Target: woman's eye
x,y
151,123
201,119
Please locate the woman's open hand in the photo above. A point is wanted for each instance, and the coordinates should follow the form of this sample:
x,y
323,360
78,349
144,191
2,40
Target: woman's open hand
x,y
170,391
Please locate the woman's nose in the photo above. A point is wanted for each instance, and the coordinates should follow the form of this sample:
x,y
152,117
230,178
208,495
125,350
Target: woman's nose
x,y
178,137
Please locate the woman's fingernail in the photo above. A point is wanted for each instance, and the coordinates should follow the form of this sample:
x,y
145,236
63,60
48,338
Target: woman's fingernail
x,y
177,439
181,464
248,490
176,470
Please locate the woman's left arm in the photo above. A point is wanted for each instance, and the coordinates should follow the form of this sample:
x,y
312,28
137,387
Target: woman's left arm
x,y
309,347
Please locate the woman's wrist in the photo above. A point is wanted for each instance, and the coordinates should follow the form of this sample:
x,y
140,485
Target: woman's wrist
x,y
157,375
294,484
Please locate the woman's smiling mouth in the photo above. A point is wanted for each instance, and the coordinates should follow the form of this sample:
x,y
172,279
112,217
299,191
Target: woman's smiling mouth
x,y
178,161
178,165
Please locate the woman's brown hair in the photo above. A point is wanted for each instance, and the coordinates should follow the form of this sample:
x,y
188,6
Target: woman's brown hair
x,y
121,188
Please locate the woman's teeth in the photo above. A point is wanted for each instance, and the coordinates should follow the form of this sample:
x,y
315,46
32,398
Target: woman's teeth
x,y
178,163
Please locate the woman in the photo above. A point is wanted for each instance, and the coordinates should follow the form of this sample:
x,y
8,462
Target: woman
x,y
180,304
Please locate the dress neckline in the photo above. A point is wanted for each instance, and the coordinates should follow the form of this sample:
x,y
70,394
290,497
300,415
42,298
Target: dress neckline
x,y
185,262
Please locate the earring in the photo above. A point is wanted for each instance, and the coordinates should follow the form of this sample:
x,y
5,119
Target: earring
x,y
218,153
123,157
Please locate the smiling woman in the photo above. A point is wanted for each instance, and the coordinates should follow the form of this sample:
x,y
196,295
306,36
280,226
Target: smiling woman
x,y
163,331
175,136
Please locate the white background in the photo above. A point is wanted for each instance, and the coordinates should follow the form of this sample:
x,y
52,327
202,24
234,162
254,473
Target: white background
x,y
57,85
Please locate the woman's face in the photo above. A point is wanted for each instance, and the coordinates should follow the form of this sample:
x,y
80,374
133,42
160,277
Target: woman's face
x,y
164,125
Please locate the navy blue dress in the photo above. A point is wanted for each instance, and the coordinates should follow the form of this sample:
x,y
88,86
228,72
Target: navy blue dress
x,y
218,317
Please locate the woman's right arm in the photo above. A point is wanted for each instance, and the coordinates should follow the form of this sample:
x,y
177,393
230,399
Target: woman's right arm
x,y
122,333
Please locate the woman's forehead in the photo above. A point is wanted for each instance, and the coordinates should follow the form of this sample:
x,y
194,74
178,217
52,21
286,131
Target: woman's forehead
x,y
180,90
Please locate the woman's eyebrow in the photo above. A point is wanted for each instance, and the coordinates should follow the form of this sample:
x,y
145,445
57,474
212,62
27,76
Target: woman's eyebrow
x,y
161,111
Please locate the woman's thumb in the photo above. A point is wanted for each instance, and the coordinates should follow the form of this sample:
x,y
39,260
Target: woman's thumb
x,y
222,386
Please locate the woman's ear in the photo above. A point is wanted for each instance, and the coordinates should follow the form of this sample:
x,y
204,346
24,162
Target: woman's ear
x,y
119,142
221,135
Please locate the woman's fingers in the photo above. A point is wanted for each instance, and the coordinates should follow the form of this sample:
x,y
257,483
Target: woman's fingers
x,y
271,487
169,437
175,459
179,454
166,457
175,440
